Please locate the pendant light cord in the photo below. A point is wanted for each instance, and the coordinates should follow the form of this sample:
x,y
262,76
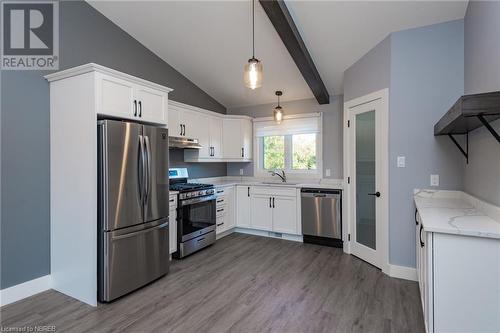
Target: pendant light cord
x,y
253,29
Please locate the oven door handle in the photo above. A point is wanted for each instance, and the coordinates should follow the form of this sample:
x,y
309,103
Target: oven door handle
x,y
198,200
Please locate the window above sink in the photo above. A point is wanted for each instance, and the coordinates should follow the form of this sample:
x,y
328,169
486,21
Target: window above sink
x,y
294,146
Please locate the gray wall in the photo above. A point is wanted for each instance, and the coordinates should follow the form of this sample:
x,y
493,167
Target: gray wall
x,y
370,73
196,170
423,69
482,74
426,79
86,36
332,131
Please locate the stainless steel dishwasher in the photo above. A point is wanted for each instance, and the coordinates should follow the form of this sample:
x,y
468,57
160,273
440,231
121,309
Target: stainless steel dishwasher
x,y
322,216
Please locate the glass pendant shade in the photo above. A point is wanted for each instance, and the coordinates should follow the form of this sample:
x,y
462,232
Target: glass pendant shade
x,y
253,74
278,114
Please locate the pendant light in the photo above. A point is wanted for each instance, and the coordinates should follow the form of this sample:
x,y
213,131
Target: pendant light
x,y
253,69
278,110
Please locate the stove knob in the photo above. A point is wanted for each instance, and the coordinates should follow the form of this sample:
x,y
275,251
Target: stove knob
x,y
188,195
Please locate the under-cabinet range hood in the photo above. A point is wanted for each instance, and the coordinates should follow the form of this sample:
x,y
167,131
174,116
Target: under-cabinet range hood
x,y
181,142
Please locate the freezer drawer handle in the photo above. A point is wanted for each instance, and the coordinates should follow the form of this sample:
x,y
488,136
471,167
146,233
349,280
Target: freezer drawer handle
x,y
132,234
420,236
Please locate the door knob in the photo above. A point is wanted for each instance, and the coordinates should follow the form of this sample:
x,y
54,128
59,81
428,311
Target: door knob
x,y
377,194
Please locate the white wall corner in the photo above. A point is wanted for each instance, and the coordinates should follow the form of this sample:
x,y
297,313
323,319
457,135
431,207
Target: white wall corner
x,y
403,272
25,289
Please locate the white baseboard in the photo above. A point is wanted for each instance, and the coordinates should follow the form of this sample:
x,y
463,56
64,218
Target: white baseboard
x,y
224,234
272,234
403,272
23,290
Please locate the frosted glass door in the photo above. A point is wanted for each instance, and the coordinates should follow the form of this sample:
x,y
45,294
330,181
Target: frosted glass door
x,y
365,179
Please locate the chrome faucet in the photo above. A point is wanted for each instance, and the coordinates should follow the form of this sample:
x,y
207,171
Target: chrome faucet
x,y
282,175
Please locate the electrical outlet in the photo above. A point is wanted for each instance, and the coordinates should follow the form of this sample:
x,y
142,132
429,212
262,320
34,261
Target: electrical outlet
x,y
241,172
401,162
328,172
434,180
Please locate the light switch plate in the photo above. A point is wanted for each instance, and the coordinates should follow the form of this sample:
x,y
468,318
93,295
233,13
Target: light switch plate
x,y
241,172
328,172
401,161
434,180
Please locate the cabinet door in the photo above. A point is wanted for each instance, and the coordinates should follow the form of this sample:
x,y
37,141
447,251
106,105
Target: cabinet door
x,y
232,138
261,212
151,104
247,133
116,97
191,120
174,121
173,231
230,207
243,212
216,136
285,215
203,134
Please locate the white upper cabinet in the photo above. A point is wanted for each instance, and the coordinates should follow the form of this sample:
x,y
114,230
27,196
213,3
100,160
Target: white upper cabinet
x,y
222,138
247,135
237,139
151,105
174,121
125,97
116,97
215,130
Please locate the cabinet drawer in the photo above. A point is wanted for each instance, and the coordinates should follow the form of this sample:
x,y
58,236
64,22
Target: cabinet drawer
x,y
220,211
274,191
172,202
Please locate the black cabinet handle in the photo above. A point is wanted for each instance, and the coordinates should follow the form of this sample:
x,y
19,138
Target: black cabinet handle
x,y
270,202
416,212
220,224
140,109
377,194
273,202
135,108
180,125
242,152
248,189
420,236
184,129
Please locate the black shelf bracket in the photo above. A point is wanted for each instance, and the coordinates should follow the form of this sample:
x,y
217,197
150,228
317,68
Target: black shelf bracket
x,y
464,152
488,126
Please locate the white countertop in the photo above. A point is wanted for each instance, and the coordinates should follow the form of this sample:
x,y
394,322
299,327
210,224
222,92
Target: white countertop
x,y
250,181
173,192
455,212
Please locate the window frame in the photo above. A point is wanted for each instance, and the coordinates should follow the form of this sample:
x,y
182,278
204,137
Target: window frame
x,y
317,173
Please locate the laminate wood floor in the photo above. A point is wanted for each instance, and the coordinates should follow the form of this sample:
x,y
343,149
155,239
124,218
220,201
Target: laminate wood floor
x,y
244,284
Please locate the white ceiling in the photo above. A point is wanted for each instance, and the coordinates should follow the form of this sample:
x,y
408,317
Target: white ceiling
x,y
210,41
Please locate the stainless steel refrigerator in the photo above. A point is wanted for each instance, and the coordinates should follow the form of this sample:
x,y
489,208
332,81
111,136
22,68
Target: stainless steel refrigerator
x,y
133,206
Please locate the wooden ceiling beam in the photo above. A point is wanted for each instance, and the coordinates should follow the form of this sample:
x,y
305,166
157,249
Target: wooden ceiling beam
x,y
282,21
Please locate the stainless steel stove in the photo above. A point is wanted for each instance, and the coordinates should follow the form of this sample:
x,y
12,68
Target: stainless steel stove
x,y
196,213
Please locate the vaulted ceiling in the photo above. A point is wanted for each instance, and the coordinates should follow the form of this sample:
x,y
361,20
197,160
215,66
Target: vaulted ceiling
x,y
210,41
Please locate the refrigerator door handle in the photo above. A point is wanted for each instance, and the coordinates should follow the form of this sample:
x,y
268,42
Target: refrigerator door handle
x,y
140,169
148,168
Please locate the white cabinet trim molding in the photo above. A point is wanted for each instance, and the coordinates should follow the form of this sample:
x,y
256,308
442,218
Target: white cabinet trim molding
x,y
24,290
92,67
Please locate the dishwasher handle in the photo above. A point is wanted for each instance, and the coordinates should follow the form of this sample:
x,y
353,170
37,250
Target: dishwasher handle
x,y
315,193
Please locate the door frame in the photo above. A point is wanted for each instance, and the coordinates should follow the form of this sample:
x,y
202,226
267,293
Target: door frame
x,y
382,212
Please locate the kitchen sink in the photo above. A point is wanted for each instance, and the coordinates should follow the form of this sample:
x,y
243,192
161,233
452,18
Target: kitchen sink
x,y
280,184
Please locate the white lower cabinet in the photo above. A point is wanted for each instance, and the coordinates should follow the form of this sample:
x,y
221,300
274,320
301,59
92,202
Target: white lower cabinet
x,y
268,209
261,212
285,215
172,223
458,280
243,205
225,209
